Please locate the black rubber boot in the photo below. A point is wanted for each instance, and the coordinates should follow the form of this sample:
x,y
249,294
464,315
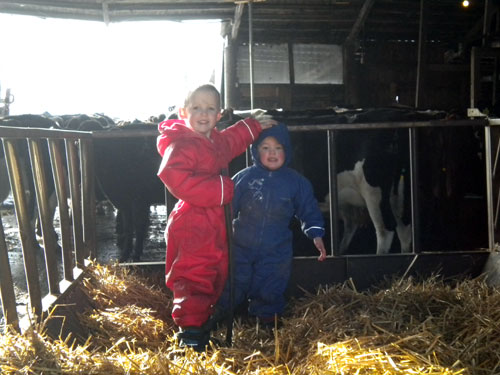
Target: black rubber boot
x,y
215,320
269,322
194,337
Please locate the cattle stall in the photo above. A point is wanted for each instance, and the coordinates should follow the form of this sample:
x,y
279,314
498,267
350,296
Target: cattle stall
x,y
73,170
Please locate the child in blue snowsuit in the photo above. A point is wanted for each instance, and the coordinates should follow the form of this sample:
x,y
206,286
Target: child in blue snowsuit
x,y
267,196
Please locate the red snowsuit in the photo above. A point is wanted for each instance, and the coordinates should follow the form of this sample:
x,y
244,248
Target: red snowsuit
x,y
196,261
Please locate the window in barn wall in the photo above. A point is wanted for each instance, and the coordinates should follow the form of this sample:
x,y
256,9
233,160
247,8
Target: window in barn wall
x,y
317,63
270,64
313,64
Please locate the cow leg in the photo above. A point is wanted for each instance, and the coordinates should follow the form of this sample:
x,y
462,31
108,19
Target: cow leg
x,y
32,207
141,223
350,203
397,205
119,229
373,198
350,227
404,235
125,232
51,231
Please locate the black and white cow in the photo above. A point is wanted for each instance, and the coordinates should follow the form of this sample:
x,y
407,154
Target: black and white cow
x,y
374,183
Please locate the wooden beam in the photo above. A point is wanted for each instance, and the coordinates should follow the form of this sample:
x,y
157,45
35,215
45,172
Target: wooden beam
x,y
105,12
360,21
238,12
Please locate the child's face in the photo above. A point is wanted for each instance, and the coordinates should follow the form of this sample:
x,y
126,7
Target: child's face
x,y
202,112
271,153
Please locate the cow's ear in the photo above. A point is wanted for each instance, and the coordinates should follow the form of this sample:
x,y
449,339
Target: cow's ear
x,y
183,113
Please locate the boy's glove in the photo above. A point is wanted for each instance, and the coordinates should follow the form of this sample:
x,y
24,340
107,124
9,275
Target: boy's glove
x,y
260,115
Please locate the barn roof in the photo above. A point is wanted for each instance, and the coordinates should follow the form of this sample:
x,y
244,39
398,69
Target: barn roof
x,y
316,21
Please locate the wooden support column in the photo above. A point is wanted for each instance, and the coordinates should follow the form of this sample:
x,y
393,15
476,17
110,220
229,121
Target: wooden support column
x,y
351,91
230,34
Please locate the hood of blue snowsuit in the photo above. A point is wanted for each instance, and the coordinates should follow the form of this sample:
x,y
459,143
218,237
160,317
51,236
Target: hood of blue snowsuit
x,y
280,133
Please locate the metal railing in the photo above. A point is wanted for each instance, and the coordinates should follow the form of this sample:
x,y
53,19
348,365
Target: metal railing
x,y
332,131
72,171
33,157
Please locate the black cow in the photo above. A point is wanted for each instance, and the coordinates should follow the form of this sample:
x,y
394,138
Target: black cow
x,y
74,122
29,121
126,170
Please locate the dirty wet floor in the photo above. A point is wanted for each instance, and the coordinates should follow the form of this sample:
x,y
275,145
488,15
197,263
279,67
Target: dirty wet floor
x,y
107,250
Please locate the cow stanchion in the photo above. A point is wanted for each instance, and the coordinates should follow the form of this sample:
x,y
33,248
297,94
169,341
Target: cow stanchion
x,y
229,236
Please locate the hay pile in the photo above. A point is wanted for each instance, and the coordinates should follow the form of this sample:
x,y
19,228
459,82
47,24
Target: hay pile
x,y
410,327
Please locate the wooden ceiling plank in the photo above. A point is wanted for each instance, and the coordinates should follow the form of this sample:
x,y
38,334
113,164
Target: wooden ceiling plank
x,y
360,21
238,12
105,12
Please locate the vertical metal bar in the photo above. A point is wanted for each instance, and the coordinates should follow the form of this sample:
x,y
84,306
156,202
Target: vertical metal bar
x,y
45,214
421,42
60,183
229,73
88,196
76,209
415,212
497,208
7,295
489,187
497,153
26,231
229,237
250,52
333,190
494,82
248,157
486,21
474,76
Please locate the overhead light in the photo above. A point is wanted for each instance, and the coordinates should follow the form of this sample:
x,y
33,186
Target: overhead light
x,y
465,3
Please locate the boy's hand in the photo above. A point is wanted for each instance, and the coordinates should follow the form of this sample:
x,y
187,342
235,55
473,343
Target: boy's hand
x,y
267,123
265,120
318,242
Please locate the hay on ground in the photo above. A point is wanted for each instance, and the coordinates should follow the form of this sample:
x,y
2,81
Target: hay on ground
x,y
409,327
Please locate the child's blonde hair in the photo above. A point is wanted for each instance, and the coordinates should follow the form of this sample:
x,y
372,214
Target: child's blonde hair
x,y
206,88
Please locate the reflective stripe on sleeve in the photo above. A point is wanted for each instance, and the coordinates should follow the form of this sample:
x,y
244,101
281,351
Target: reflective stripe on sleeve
x,y
249,129
222,191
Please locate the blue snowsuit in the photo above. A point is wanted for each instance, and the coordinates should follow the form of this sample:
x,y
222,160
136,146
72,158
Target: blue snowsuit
x,y
264,204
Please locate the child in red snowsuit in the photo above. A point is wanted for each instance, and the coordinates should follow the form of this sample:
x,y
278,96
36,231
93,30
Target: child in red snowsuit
x,y
194,154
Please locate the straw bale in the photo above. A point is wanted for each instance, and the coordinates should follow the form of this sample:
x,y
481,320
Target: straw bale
x,y
406,327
